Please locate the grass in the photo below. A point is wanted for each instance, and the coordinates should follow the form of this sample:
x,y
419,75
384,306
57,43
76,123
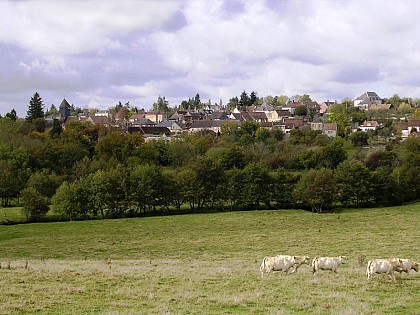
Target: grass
x,y
208,264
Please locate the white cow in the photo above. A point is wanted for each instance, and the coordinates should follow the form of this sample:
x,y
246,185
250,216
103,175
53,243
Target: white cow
x,y
300,260
277,263
407,265
386,266
327,263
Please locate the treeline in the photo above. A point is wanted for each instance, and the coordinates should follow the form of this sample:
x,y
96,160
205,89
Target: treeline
x,y
88,172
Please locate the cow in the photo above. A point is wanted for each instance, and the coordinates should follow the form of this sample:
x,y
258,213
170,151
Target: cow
x,y
277,263
300,260
386,266
407,265
327,263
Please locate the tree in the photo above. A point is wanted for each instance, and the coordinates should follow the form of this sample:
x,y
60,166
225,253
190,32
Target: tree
x,y
305,98
45,182
161,105
233,103
56,129
381,158
250,128
53,111
338,114
301,111
12,115
359,138
252,98
197,102
35,205
353,183
316,189
282,185
257,182
10,182
35,109
243,100
332,155
72,200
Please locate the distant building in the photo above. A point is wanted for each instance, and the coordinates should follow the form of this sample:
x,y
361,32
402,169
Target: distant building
x,y
64,110
367,100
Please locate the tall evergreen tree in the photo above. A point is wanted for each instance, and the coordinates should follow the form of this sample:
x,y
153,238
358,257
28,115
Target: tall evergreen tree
x,y
252,98
35,109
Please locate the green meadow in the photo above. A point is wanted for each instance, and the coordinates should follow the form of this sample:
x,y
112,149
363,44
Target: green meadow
x,y
209,264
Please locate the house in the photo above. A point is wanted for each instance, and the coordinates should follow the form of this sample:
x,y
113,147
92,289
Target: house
x,y
258,116
156,117
323,108
329,129
401,127
369,125
152,133
366,100
209,125
173,126
144,122
137,116
219,115
102,113
99,120
178,116
291,106
413,125
279,115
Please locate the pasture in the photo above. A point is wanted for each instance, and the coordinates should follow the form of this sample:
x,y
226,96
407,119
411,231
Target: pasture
x,y
209,264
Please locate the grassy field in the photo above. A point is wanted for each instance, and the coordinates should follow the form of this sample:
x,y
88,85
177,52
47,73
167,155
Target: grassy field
x,y
208,264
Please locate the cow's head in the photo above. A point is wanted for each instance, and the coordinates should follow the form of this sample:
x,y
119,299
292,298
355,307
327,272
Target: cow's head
x,y
305,260
416,266
342,259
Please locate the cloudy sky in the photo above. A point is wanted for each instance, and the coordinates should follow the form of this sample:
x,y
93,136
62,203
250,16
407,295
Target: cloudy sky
x,y
96,53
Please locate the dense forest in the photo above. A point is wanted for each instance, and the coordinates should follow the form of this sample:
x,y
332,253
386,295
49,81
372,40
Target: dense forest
x,y
85,172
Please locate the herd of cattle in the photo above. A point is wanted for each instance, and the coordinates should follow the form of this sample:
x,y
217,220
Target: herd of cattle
x,y
385,266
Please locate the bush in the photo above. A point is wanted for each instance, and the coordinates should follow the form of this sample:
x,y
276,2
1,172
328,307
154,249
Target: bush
x,y
35,206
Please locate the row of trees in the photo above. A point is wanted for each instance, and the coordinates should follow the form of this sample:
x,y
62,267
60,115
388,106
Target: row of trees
x,y
145,189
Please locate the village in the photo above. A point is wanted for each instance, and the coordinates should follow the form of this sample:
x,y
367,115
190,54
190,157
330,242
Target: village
x,y
155,125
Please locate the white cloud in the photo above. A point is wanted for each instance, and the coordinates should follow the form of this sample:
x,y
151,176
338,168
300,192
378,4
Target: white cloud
x,y
100,52
48,27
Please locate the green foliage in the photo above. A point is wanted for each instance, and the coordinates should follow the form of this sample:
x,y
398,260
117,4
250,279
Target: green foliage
x,y
161,105
35,109
255,190
120,146
249,127
12,115
381,158
45,182
359,138
316,189
35,205
39,124
353,183
301,111
337,113
262,134
56,129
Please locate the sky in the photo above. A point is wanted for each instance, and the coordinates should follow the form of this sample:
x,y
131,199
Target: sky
x,y
97,53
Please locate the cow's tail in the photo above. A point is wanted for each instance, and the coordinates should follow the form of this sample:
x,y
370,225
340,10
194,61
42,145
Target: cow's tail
x,y
263,267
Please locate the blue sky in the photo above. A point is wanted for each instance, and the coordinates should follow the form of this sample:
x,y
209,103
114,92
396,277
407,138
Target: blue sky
x,y
96,53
